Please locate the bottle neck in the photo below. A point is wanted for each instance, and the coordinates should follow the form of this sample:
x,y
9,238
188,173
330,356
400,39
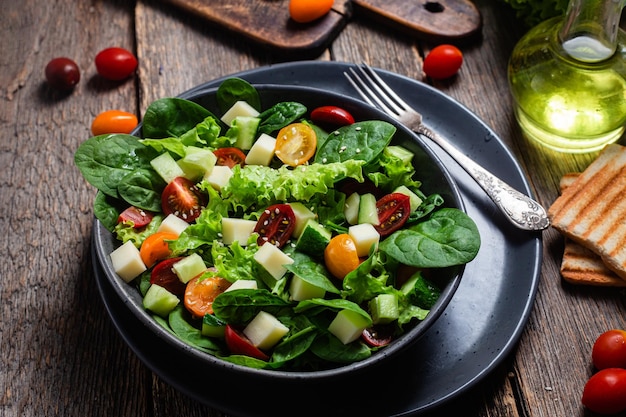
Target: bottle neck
x,y
590,29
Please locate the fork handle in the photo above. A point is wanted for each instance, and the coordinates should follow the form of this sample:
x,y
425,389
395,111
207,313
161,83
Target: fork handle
x,y
520,209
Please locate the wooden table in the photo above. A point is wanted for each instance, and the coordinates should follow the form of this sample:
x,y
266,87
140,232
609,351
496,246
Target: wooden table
x,y
61,354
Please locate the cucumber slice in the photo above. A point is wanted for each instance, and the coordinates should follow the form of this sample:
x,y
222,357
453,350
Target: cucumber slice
x,y
367,210
159,300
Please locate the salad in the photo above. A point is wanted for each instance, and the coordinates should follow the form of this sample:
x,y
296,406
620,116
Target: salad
x,y
278,238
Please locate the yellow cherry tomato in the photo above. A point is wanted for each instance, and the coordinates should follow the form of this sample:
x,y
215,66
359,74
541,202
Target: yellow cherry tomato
x,y
113,121
305,11
340,256
295,144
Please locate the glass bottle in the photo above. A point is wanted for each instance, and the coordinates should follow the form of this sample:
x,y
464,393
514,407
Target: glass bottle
x,y
568,78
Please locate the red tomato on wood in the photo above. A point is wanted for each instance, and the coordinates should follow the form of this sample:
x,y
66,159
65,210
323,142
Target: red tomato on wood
x,y
609,350
62,73
115,63
276,225
605,392
239,344
443,61
393,211
183,198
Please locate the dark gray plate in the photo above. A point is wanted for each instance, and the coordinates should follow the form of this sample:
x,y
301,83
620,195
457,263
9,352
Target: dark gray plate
x,y
474,334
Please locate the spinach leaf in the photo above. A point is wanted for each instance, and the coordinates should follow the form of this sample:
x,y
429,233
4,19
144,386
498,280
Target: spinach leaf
x,y
171,117
236,89
449,237
240,306
107,210
142,188
311,271
363,141
331,349
104,160
280,115
188,333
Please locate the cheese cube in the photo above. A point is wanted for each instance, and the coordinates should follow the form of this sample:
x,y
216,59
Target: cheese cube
x,y
240,108
365,236
127,262
265,330
272,259
348,326
243,284
219,176
237,230
173,224
262,151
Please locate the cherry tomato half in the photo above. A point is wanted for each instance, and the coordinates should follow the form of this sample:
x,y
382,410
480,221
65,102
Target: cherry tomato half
x,y
331,115
443,61
230,157
609,350
239,344
378,335
162,274
139,217
115,63
113,121
605,391
156,247
393,211
201,292
183,198
62,73
276,225
340,256
304,11
295,144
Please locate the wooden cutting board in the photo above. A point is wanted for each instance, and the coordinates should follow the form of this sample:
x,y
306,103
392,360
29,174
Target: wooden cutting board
x,y
267,22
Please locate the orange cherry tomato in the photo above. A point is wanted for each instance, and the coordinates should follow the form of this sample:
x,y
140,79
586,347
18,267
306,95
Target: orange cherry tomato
x,y
295,144
340,256
304,11
113,121
201,292
443,61
156,248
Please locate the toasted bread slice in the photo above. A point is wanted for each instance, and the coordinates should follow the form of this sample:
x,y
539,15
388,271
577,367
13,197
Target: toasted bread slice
x,y
591,211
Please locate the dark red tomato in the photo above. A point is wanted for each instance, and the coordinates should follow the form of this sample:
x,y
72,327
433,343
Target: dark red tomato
x,y
139,217
393,211
609,350
115,63
239,344
605,392
443,61
164,275
183,198
276,225
378,335
62,73
230,157
332,115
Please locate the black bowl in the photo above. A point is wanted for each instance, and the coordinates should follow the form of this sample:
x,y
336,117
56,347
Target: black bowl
x,y
435,179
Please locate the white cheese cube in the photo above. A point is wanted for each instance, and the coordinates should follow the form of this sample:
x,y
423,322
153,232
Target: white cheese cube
x,y
300,289
272,259
219,176
265,330
173,224
127,262
364,235
348,326
262,151
234,229
240,108
189,267
303,215
243,284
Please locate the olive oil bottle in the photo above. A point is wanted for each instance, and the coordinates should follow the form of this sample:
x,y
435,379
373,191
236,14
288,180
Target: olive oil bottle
x,y
567,76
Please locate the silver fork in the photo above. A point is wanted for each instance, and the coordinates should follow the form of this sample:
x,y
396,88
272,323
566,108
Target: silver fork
x,y
523,212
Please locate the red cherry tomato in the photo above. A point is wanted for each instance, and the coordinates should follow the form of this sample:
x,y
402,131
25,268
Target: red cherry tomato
x,y
443,62
115,63
113,121
276,225
304,11
139,217
62,73
183,198
239,344
230,157
331,115
605,392
162,274
378,335
609,350
393,211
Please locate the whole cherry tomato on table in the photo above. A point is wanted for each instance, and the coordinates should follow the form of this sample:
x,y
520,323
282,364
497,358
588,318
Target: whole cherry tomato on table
x,y
609,350
443,61
62,73
115,63
305,11
605,392
113,121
